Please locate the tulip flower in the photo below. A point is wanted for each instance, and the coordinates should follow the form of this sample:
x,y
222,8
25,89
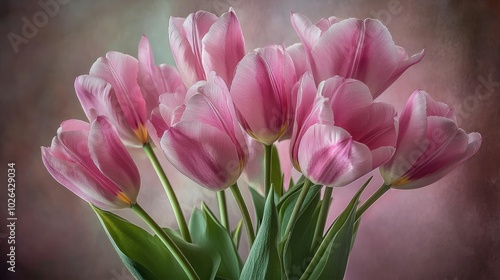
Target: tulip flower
x,y
92,162
156,80
202,43
207,144
429,144
325,151
353,48
111,89
262,93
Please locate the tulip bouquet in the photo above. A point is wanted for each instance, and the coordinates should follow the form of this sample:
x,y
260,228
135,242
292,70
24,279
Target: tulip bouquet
x,y
210,117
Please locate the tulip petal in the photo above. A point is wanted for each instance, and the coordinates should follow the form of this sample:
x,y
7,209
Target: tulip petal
x,y
307,31
155,80
120,71
98,98
203,153
223,47
299,57
112,159
80,182
329,156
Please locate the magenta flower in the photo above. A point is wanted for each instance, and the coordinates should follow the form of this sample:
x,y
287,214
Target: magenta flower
x,y
353,48
207,144
155,80
111,90
202,43
326,152
262,93
429,144
92,162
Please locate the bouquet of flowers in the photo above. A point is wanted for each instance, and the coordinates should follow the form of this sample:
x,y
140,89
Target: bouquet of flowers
x,y
212,114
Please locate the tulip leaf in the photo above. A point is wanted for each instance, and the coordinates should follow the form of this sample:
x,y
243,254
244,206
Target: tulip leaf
x,y
208,233
333,262
236,234
297,248
276,175
258,202
263,261
286,207
146,256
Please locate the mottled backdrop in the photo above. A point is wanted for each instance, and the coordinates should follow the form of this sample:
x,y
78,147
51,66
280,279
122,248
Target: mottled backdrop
x,y
450,230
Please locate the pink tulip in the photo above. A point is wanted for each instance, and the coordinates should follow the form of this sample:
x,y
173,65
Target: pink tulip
x,y
262,93
429,144
111,89
202,43
326,152
168,113
207,144
353,48
92,162
371,123
156,80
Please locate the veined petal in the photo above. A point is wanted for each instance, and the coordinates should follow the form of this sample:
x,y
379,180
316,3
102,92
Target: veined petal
x,y
223,47
112,159
98,98
412,135
155,80
76,179
329,156
120,71
307,31
299,57
203,153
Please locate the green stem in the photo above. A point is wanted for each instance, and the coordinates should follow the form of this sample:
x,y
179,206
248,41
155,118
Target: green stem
x,y
221,198
244,212
297,207
169,243
375,196
323,214
181,221
268,154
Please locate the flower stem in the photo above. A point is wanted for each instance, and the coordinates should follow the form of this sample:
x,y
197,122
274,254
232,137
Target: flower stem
x,y
298,206
169,243
375,196
244,211
181,221
221,198
323,214
268,154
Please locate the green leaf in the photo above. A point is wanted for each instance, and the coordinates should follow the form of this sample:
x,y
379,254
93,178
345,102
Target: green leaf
x,y
208,233
276,175
236,234
263,260
287,205
333,262
296,248
146,256
259,202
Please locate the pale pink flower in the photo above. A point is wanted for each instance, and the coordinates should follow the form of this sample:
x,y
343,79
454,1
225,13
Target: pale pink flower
x,y
429,144
92,162
353,48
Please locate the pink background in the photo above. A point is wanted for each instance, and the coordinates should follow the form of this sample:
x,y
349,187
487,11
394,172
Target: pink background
x,y
450,230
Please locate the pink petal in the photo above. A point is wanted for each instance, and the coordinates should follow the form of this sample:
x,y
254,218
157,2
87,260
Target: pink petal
x,y
203,153
77,180
412,137
155,80
223,47
98,98
299,57
261,91
120,71
307,31
372,124
329,156
112,159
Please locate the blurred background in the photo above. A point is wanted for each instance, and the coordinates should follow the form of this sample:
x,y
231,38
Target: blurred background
x,y
450,230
